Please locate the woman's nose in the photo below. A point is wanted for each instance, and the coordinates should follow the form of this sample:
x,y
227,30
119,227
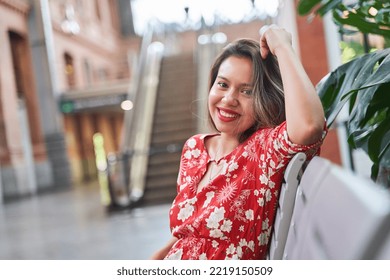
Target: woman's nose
x,y
230,97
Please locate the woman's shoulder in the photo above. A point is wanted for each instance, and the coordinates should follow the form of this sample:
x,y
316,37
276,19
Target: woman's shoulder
x,y
197,139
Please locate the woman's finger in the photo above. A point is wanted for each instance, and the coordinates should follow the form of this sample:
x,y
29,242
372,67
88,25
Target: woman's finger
x,y
264,49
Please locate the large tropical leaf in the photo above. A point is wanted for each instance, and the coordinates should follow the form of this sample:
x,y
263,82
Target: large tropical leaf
x,y
365,83
346,81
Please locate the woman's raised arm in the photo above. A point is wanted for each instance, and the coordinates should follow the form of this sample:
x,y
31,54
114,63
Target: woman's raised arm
x,y
304,112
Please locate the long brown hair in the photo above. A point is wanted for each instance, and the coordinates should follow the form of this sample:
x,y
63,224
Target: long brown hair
x,y
267,91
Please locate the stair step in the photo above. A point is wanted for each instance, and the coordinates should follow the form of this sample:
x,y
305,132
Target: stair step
x,y
163,170
166,158
174,123
160,182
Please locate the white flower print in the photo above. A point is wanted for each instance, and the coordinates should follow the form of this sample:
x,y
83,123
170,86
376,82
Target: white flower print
x,y
263,239
268,195
271,184
227,192
233,166
191,143
194,248
190,228
230,250
209,196
226,226
203,256
176,255
251,245
216,233
265,224
188,201
185,212
215,217
276,144
249,215
242,242
215,244
248,176
174,229
250,151
238,204
264,179
260,201
239,251
188,154
196,153
241,228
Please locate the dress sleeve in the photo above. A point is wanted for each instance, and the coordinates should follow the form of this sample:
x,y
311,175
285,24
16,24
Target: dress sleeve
x,y
281,146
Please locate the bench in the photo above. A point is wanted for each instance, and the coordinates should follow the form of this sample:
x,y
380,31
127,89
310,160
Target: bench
x,y
327,212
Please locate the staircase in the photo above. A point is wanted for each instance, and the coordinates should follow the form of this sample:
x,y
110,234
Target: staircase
x,y
174,123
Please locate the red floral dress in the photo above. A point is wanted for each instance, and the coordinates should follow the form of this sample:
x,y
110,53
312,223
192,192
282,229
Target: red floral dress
x,y
232,217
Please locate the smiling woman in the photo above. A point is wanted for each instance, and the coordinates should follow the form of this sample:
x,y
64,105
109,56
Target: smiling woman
x,y
264,110
173,11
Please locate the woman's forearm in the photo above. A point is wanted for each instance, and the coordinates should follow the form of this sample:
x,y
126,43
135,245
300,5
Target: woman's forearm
x,y
304,111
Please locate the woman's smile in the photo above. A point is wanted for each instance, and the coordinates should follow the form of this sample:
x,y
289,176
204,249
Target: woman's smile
x,y
227,115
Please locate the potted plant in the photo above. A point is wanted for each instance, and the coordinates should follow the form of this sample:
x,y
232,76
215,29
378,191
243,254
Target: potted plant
x,y
364,82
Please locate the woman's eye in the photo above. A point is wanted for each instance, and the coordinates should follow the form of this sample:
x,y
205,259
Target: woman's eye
x,y
247,91
222,84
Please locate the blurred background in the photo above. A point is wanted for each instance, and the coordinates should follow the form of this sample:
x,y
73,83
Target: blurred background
x,y
96,100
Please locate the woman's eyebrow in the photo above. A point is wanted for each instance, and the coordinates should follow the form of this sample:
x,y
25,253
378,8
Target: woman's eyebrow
x,y
222,77
242,84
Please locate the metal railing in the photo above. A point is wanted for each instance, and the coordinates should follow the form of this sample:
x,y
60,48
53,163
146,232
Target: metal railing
x,y
128,169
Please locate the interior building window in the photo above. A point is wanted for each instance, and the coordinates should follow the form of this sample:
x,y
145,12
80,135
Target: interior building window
x,y
17,50
87,72
69,70
102,75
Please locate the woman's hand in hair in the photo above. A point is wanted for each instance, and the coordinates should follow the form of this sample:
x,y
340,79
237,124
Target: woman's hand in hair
x,y
273,37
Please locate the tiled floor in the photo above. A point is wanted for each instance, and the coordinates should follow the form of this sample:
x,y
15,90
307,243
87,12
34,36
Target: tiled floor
x,y
73,224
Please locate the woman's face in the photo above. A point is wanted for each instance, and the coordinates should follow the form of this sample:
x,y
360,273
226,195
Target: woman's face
x,y
230,98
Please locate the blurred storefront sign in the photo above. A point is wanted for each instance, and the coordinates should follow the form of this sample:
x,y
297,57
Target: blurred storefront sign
x,y
104,97
74,105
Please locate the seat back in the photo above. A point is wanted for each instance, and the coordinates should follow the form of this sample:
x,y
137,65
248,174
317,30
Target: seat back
x,y
338,215
285,206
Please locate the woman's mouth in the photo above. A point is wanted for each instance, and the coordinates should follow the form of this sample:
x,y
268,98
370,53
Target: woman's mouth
x,y
227,115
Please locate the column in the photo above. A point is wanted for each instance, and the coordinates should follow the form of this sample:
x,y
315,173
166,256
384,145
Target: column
x,y
42,48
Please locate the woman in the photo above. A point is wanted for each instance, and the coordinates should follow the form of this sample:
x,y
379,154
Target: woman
x,y
265,110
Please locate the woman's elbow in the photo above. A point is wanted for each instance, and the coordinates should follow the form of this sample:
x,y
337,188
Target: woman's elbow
x,y
311,133
306,134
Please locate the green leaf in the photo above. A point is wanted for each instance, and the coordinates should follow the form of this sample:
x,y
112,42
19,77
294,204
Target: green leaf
x,y
305,6
344,82
365,83
327,7
374,171
372,106
359,21
375,145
